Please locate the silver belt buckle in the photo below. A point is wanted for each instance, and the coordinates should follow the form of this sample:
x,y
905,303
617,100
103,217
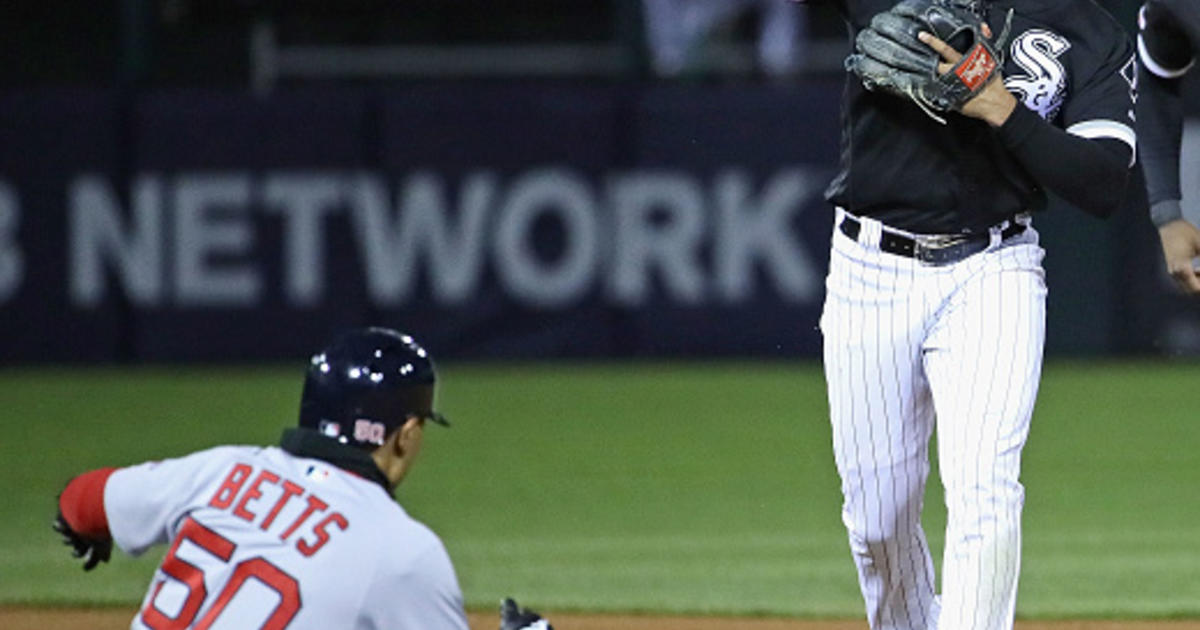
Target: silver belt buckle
x,y
933,248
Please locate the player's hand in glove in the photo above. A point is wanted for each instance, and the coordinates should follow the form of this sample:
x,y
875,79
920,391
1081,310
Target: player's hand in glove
x,y
941,73
513,617
92,551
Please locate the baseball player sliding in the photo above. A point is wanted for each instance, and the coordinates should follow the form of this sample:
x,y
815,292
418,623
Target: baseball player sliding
x,y
303,535
1168,37
960,116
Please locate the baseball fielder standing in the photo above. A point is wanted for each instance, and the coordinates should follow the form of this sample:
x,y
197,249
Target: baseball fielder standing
x,y
304,535
1168,37
935,301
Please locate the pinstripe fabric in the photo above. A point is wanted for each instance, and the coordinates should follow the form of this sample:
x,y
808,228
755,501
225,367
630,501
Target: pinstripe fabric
x,y
910,348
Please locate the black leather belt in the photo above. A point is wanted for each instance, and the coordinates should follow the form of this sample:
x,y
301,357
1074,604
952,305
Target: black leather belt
x,y
936,249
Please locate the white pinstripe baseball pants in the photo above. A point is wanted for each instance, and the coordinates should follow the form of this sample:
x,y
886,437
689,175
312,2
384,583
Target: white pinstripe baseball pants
x,y
910,346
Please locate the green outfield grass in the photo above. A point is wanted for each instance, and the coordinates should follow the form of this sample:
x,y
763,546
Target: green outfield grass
x,y
702,488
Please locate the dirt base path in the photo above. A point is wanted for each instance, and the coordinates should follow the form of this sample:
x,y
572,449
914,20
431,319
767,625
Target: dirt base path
x,y
21,618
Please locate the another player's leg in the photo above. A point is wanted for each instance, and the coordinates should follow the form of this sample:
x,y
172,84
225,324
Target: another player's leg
x,y
984,362
881,417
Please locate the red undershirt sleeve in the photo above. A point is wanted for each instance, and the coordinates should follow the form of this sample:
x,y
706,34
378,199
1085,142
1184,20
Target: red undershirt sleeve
x,y
82,503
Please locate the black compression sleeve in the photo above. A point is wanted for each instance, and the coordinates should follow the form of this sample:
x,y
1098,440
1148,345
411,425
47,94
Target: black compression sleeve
x,y
1090,174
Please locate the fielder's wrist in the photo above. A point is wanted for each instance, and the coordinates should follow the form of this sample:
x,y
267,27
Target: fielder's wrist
x,y
998,111
1165,211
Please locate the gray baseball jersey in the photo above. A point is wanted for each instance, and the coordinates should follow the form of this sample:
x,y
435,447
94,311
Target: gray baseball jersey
x,y
262,538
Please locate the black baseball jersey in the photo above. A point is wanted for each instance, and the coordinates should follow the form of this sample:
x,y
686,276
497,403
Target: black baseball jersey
x,y
1067,60
1168,38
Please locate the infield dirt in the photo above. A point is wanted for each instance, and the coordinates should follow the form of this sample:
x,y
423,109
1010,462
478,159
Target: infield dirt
x,y
19,618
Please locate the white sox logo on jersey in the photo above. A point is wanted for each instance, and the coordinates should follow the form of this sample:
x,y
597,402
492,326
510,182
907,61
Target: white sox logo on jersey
x,y
1044,84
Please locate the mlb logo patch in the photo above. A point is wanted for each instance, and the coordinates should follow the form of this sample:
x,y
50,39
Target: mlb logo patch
x,y
316,474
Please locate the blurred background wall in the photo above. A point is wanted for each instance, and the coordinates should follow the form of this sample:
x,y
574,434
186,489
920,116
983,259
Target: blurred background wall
x,y
229,180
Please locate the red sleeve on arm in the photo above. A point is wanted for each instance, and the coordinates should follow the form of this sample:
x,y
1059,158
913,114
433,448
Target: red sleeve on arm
x,y
82,503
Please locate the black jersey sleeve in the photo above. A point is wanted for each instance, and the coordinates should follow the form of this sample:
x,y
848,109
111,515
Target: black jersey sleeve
x,y
1101,100
1168,31
1165,54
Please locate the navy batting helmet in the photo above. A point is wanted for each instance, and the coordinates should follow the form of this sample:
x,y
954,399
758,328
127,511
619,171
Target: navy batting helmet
x,y
365,384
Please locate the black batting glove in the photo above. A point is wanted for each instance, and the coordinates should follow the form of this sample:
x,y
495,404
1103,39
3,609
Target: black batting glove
x,y
92,551
513,617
